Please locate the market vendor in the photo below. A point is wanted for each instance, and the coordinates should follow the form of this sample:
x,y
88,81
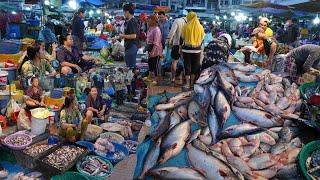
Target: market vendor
x,y
264,22
96,107
73,126
71,59
34,97
217,51
269,44
34,64
299,60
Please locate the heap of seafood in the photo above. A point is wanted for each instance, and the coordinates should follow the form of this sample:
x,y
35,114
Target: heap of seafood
x,y
38,148
264,145
63,156
18,140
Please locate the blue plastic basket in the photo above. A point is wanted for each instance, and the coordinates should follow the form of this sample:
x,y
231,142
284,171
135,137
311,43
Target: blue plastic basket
x,y
110,156
56,93
86,144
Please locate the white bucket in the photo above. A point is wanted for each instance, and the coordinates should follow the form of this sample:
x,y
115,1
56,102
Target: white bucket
x,y
3,77
38,125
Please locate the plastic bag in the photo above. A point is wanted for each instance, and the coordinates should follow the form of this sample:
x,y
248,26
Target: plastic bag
x,y
23,122
239,56
11,108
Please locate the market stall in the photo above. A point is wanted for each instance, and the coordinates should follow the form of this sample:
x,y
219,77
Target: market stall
x,y
239,122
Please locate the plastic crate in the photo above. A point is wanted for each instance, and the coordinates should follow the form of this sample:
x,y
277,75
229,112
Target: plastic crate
x,y
49,170
28,161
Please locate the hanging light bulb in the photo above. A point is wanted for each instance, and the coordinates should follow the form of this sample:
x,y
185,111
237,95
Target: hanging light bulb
x,y
98,11
46,2
72,4
316,20
225,17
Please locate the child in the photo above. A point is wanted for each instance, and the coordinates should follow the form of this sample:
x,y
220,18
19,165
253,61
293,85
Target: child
x,y
34,98
119,83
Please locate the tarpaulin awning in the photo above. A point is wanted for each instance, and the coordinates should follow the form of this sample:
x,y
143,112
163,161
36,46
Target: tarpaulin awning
x,y
264,4
312,6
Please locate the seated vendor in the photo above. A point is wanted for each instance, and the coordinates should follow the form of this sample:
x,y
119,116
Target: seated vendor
x,y
34,98
34,64
269,44
95,105
73,126
71,59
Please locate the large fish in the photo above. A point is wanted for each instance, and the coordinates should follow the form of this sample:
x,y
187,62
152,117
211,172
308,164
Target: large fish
x,y
204,99
214,125
194,135
246,77
177,173
241,165
174,104
241,67
235,146
181,96
174,141
211,167
183,112
213,91
263,161
239,130
257,117
288,172
174,119
162,127
283,103
227,87
222,108
151,158
266,138
195,112
201,146
275,87
206,77
198,89
267,173
263,96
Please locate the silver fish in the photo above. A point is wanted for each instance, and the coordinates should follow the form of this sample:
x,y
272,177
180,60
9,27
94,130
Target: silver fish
x,y
227,87
265,147
246,77
273,97
263,96
251,146
180,96
275,87
283,103
194,135
263,161
266,138
211,167
151,158
183,112
162,127
162,114
241,67
205,131
267,173
257,117
206,77
222,108
274,135
214,125
241,165
235,146
177,173
213,91
194,112
198,89
289,171
174,119
174,141
279,147
239,130
273,109
245,99
204,99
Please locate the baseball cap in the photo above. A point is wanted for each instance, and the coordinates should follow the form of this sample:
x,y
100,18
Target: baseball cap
x,y
257,30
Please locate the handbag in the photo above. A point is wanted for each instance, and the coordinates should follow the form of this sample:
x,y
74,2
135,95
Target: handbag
x,y
148,47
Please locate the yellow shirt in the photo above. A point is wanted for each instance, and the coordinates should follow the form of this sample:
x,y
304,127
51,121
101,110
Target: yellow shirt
x,y
268,32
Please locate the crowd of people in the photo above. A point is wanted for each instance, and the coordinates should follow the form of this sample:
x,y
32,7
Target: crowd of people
x,y
184,37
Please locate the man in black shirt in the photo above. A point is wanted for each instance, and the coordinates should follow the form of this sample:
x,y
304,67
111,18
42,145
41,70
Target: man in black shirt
x,y
292,33
130,36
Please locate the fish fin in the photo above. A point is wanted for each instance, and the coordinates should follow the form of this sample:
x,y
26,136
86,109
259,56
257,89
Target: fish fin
x,y
223,173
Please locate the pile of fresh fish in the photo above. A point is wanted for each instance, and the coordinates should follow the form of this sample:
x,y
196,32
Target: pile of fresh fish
x,y
262,146
36,149
94,166
313,164
63,156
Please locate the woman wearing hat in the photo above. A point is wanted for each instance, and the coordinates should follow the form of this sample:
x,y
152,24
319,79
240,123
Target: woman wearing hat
x,y
217,51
